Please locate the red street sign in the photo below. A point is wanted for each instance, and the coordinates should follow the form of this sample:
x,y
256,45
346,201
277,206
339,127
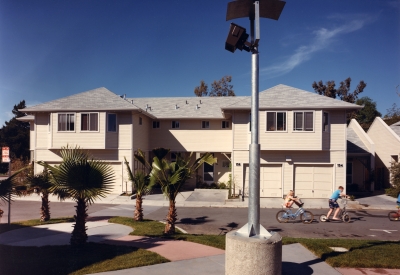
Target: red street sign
x,y
5,154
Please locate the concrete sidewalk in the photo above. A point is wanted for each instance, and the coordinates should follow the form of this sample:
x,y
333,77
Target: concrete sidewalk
x,y
186,257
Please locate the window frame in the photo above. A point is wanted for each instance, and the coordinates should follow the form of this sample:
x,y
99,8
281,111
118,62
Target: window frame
x,y
156,124
275,127
89,121
175,124
223,126
108,123
203,124
74,122
303,127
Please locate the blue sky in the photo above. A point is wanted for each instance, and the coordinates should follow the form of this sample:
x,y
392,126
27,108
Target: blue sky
x,y
51,49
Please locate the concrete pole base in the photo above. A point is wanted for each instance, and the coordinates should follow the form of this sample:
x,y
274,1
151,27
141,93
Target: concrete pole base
x,y
253,255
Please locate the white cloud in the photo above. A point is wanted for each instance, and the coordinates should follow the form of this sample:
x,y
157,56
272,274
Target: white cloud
x,y
322,38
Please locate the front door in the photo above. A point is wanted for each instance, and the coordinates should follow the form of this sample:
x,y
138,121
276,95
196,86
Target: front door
x,y
208,175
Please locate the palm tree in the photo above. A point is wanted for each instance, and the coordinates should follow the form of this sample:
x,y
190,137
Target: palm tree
x,y
10,188
84,179
141,184
172,176
41,184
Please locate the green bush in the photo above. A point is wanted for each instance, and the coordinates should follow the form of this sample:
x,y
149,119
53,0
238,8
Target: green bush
x,y
394,180
213,186
222,185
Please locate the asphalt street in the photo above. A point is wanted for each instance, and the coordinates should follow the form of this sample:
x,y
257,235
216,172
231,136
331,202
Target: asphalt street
x,y
371,224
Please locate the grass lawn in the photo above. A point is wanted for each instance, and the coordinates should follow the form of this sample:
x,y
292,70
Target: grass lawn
x,y
95,257
4,227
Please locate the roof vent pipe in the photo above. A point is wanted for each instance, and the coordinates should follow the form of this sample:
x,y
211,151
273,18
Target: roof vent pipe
x,y
124,96
132,101
176,106
186,102
197,106
200,101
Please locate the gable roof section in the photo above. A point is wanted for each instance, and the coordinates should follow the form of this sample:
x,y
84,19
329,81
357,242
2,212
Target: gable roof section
x,y
286,97
186,107
390,131
96,100
354,143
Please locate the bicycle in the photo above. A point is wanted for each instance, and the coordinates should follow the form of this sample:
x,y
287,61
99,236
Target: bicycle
x,y
394,215
283,216
344,216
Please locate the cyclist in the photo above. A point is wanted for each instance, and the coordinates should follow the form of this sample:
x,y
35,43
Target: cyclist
x,y
333,203
398,199
291,198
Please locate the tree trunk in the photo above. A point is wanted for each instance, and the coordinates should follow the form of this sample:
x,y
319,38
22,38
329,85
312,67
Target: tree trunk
x,y
45,209
79,236
171,219
138,216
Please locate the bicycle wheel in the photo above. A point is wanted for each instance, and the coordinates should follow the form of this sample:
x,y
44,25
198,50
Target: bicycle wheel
x,y
307,217
393,216
323,218
282,216
346,218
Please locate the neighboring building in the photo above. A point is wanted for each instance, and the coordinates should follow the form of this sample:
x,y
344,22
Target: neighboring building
x,y
387,149
302,135
360,159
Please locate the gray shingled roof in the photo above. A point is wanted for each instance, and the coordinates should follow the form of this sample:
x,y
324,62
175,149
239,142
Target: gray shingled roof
x,y
286,97
185,107
396,128
97,99
354,143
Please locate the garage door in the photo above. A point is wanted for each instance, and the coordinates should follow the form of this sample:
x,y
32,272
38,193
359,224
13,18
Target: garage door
x,y
270,180
313,181
117,186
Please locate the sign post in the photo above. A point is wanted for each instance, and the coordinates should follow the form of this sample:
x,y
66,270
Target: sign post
x,y
5,157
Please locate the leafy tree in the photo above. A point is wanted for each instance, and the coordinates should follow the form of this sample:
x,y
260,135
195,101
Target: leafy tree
x,y
84,179
392,115
218,88
15,134
366,115
171,176
141,183
343,93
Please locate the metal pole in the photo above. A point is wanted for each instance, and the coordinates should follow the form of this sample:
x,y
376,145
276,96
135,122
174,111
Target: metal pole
x,y
9,195
254,148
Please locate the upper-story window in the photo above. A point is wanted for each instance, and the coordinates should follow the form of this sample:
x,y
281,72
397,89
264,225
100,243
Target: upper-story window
x,y
276,121
49,130
175,124
326,122
90,122
205,124
111,122
156,124
225,124
66,122
303,121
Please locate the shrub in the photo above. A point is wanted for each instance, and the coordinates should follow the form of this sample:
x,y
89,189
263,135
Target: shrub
x,y
222,185
213,186
394,179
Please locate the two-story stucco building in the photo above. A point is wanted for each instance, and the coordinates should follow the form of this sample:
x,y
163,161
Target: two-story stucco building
x,y
302,135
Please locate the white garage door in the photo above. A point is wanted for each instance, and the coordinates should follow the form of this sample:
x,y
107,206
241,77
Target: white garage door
x,y
313,181
270,180
117,186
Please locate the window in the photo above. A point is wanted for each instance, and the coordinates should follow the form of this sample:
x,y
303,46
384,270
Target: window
x,y
326,122
175,124
205,124
66,122
225,124
89,122
276,121
111,122
140,121
303,121
156,124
